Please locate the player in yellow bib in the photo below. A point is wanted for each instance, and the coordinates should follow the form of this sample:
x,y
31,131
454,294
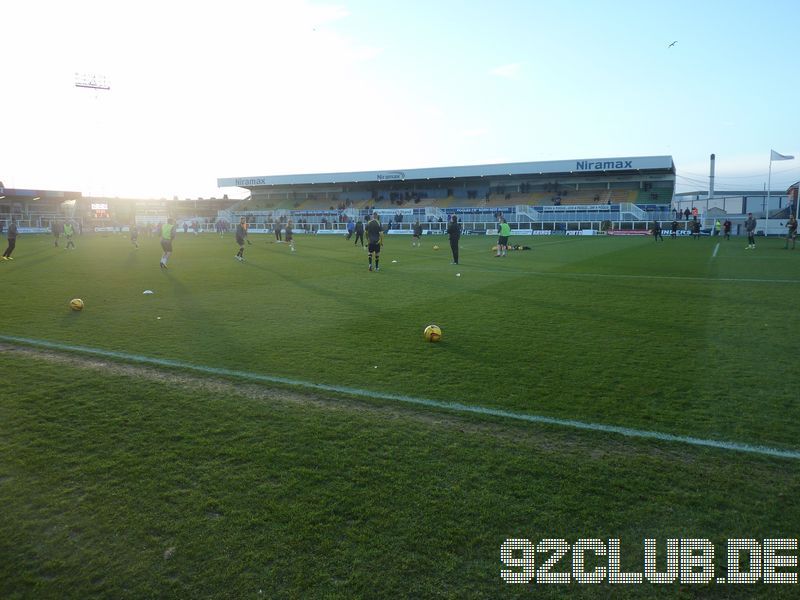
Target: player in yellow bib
x,y
167,235
504,234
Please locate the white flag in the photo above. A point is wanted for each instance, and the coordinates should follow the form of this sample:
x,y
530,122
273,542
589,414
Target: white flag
x,y
776,156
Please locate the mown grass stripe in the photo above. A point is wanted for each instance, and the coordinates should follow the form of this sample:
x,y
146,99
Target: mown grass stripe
x,y
439,404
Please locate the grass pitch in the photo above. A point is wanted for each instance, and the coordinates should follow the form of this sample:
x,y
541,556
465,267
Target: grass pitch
x,y
124,483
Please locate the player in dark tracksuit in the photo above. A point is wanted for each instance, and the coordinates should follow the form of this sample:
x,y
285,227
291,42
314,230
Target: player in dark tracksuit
x,y
657,232
359,232
241,236
454,231
12,240
57,229
750,227
374,239
791,232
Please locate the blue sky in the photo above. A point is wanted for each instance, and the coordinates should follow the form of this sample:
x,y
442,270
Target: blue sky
x,y
202,90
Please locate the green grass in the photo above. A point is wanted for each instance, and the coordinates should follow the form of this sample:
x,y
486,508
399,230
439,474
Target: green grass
x,y
116,486
670,347
101,473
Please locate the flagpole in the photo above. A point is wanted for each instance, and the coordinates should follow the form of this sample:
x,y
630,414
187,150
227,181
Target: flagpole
x,y
769,186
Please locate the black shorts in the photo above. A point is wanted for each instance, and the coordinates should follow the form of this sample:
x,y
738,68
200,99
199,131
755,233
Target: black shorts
x,y
502,241
240,241
374,247
166,245
289,237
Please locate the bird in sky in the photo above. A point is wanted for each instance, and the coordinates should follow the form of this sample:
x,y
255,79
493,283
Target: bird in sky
x,y
672,44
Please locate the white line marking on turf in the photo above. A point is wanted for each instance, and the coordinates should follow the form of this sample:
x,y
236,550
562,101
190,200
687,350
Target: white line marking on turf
x,y
454,406
623,276
714,255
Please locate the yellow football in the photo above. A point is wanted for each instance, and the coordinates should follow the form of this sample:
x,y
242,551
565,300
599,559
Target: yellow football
x,y
433,333
76,304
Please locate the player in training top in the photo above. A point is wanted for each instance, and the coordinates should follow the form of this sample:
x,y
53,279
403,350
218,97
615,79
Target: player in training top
x,y
791,232
69,231
750,227
502,239
359,232
168,231
241,236
290,235
12,240
57,229
417,234
374,240
454,233
656,229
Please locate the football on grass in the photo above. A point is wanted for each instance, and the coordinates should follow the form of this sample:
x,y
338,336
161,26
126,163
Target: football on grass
x,y
433,333
76,304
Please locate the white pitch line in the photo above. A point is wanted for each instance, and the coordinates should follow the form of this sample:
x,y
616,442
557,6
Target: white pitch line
x,y
623,276
716,248
439,404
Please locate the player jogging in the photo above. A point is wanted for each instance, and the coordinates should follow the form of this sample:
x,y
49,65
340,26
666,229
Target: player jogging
x,y
12,240
241,236
359,232
290,235
791,232
168,231
657,232
374,239
69,231
417,233
502,240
